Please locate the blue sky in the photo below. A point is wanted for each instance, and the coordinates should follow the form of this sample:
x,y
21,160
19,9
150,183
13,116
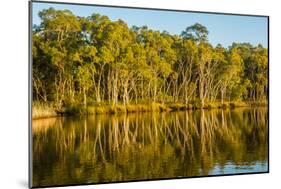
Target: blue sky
x,y
223,29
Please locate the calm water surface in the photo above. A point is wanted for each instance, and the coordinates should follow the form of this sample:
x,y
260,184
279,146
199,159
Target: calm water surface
x,y
109,148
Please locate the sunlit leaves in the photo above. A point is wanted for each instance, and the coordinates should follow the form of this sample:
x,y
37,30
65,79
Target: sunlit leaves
x,y
108,61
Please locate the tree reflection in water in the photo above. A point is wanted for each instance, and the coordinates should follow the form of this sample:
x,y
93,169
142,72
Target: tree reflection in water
x,y
108,148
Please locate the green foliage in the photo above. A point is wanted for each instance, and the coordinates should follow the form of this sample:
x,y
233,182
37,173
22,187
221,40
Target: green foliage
x,y
196,32
81,62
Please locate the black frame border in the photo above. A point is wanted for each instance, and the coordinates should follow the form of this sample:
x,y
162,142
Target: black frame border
x,y
30,161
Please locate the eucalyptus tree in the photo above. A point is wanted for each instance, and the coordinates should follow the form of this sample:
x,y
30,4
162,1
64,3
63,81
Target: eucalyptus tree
x,y
187,58
160,57
259,65
217,72
229,78
93,29
204,67
60,36
85,60
116,38
196,32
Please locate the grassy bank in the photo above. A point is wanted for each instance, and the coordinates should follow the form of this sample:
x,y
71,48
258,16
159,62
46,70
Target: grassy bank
x,y
40,110
43,110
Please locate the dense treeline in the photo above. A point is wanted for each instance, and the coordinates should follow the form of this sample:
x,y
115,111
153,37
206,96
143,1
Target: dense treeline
x,y
94,60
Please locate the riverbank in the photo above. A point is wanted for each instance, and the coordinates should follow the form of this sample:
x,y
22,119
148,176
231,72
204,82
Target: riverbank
x,y
41,110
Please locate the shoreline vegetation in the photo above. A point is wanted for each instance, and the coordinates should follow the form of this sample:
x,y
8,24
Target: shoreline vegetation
x,y
94,65
40,110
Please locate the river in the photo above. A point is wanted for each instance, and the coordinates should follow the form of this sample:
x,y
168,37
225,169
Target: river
x,y
140,146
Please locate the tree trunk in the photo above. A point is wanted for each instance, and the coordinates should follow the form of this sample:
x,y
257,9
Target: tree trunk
x,y
85,97
222,96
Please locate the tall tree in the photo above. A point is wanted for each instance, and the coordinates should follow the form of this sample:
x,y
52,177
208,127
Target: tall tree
x,y
196,32
92,60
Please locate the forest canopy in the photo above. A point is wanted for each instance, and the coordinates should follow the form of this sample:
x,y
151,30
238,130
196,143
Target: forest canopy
x,y
94,60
